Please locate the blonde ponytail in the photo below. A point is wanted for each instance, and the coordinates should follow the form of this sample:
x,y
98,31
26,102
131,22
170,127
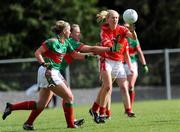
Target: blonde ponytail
x,y
101,17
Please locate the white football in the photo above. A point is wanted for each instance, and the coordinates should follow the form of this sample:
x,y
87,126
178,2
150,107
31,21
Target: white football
x,y
130,16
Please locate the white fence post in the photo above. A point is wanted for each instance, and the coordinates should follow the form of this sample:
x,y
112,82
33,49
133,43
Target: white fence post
x,y
168,76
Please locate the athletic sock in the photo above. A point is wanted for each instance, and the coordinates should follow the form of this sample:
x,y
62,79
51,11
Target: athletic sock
x,y
102,111
27,105
108,112
132,97
69,113
34,114
95,107
128,110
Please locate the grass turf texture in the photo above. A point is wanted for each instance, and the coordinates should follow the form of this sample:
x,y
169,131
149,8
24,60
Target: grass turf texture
x,y
152,116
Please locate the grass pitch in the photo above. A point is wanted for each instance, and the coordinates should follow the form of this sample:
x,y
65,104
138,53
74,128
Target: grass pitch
x,y
152,116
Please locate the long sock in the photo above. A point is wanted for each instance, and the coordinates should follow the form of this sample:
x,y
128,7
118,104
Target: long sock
x,y
102,111
132,97
34,114
128,110
27,105
69,114
95,107
108,112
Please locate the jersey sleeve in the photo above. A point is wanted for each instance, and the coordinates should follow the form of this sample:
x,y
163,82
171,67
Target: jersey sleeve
x,y
75,44
70,49
48,44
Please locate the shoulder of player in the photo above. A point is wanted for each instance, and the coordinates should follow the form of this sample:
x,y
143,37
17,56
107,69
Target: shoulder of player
x,y
120,27
105,26
51,40
70,40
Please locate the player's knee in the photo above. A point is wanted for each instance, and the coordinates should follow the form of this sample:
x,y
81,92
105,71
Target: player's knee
x,y
131,88
124,89
69,98
108,88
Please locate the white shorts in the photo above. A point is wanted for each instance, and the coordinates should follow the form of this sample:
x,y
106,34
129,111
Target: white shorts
x,y
42,81
115,67
134,68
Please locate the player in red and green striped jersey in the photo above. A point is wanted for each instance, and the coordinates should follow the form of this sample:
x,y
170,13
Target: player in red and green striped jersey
x,y
135,54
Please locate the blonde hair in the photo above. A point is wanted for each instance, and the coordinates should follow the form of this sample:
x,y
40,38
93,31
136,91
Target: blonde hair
x,y
60,26
103,15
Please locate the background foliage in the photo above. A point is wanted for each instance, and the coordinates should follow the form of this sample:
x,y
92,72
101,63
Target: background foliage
x,y
26,23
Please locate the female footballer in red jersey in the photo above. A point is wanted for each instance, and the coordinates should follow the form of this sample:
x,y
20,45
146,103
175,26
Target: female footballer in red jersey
x,y
50,81
111,64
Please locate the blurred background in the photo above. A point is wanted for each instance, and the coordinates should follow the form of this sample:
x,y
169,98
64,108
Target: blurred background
x,y
25,24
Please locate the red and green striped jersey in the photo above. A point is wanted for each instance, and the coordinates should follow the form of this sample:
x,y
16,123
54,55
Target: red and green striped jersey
x,y
56,51
133,45
68,58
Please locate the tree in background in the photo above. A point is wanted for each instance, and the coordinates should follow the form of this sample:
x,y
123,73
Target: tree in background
x,y
26,23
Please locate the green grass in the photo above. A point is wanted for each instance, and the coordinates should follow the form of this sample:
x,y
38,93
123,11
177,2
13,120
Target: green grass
x,y
152,116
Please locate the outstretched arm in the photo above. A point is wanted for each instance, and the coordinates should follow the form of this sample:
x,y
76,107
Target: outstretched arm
x,y
142,60
94,49
141,55
82,56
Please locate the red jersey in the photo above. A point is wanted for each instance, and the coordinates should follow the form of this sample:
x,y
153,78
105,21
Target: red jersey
x,y
107,40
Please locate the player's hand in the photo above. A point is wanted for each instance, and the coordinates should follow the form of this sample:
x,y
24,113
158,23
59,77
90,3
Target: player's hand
x,y
116,47
145,69
132,27
45,64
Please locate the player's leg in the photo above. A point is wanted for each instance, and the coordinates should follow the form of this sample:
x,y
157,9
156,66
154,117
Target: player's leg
x,y
96,105
77,122
132,80
45,96
123,85
108,106
25,105
106,89
63,91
